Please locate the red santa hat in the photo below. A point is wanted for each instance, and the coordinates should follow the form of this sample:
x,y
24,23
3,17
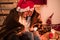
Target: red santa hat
x,y
25,6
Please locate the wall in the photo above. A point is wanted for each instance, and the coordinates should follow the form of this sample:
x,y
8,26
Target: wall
x,y
8,7
45,10
53,6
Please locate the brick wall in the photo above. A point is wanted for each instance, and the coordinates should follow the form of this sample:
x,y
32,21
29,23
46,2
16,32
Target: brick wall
x,y
5,8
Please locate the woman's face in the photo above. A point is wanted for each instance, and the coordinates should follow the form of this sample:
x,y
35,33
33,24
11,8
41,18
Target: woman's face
x,y
30,13
27,13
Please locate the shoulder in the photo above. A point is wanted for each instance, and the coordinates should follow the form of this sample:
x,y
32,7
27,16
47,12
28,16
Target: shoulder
x,y
13,9
11,36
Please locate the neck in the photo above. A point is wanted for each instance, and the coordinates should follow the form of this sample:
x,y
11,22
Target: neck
x,y
28,19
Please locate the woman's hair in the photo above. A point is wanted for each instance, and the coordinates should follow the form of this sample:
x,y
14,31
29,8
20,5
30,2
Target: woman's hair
x,y
20,28
34,18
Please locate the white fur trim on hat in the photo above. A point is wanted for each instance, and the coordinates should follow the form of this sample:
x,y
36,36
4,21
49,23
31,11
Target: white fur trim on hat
x,y
31,9
25,9
18,9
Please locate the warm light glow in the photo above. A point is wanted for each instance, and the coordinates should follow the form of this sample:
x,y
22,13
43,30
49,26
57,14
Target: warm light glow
x,y
35,28
52,30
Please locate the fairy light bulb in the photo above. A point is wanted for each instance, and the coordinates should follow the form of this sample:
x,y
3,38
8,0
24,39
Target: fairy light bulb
x,y
52,30
35,28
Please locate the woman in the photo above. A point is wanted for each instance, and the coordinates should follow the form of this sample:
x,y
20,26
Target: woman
x,y
18,16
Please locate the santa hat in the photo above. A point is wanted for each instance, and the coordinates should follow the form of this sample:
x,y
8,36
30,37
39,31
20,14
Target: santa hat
x,y
25,6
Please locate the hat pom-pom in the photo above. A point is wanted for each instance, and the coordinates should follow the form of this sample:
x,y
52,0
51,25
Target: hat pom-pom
x,y
18,9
